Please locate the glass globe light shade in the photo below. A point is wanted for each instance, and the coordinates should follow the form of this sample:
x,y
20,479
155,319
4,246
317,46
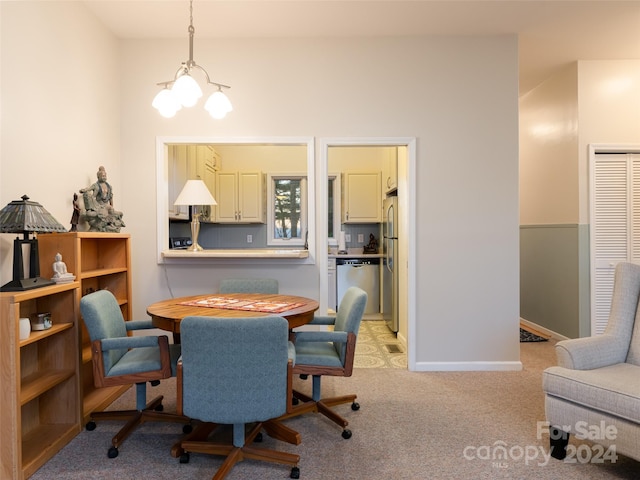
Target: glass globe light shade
x,y
166,103
218,105
186,90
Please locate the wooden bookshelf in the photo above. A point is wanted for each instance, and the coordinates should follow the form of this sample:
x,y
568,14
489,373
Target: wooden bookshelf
x,y
39,398
100,261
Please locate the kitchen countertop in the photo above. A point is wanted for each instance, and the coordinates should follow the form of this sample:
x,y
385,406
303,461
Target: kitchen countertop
x,y
238,253
354,253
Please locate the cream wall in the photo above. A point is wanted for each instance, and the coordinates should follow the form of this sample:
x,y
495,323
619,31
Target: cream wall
x,y
548,151
60,103
588,102
276,158
456,95
609,98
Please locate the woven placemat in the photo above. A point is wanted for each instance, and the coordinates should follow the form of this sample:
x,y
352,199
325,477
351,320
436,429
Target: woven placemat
x,y
227,303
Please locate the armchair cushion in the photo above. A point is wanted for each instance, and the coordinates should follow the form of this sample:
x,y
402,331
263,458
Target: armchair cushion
x,y
607,389
317,353
143,359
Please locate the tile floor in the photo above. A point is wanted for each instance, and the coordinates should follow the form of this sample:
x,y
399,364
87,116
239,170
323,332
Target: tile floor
x,y
378,347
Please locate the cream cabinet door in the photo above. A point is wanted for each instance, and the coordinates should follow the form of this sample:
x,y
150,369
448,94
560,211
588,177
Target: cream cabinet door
x,y
362,197
250,197
227,191
240,197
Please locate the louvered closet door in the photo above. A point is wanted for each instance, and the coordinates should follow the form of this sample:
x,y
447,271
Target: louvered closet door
x,y
615,227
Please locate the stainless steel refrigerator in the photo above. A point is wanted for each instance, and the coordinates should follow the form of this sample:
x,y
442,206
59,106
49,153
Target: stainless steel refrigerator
x,y
389,258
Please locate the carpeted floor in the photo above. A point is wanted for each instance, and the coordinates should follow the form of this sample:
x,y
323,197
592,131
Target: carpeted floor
x,y
411,426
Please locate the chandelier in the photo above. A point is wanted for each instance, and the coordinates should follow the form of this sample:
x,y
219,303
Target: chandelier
x,y
184,91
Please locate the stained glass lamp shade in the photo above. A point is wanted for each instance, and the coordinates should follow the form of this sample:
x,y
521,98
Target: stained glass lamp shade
x,y
26,217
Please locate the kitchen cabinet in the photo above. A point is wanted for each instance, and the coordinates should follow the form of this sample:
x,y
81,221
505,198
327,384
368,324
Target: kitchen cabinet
x,y
361,197
190,162
207,157
39,402
240,197
100,261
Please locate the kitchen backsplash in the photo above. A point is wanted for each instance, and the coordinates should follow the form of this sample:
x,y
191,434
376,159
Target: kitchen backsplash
x,y
215,235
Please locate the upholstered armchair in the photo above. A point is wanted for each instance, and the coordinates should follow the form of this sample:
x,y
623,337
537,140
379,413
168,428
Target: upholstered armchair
x,y
249,285
330,352
119,359
235,372
597,380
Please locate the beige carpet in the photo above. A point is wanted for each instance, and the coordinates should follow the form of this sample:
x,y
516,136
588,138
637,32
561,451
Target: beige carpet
x,y
411,426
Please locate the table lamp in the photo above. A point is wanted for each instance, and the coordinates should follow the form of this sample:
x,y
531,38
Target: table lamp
x,y
24,216
194,193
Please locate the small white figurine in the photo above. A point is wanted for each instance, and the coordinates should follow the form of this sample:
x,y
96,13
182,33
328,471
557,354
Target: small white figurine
x,y
60,274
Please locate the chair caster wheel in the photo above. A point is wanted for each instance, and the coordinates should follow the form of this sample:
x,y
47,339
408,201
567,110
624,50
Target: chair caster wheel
x,y
355,406
346,434
159,408
258,438
295,472
187,428
184,458
90,426
112,453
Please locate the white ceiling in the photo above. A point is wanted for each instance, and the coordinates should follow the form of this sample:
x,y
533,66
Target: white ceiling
x,y
551,33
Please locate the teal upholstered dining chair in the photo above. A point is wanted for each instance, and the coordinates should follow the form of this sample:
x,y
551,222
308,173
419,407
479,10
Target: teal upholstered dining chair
x,y
249,285
321,353
119,359
236,371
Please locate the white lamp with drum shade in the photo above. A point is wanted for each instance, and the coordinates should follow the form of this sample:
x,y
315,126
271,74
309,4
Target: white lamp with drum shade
x,y
194,193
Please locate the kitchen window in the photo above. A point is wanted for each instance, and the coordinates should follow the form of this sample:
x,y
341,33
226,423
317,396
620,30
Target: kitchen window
x,y
287,209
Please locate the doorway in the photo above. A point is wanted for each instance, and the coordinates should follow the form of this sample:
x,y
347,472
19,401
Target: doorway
x,y
615,221
406,199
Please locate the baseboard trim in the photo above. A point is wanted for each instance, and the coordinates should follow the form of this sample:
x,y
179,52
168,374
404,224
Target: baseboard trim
x,y
541,329
468,366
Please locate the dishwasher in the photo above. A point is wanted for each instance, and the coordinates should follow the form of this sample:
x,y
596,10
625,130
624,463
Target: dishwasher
x,y
362,273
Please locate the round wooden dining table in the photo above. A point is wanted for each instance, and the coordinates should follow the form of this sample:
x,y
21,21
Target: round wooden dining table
x,y
167,314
